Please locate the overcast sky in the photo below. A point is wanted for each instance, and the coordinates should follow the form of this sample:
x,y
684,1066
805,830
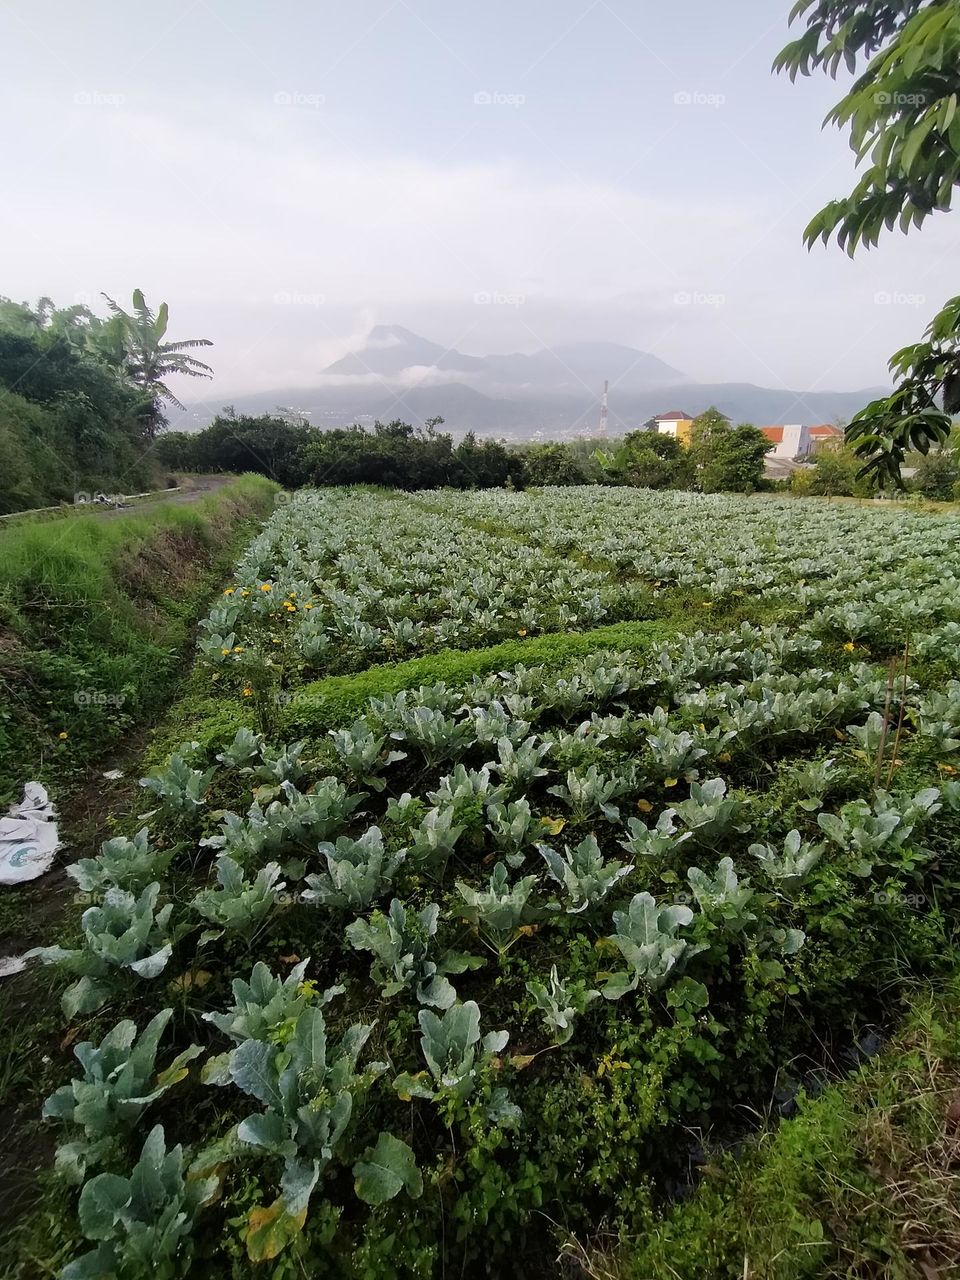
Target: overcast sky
x,y
287,174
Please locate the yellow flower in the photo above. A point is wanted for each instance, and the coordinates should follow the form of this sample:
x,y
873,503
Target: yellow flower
x,y
276,640
63,736
244,592
238,648
224,652
308,606
229,591
707,604
849,646
266,586
247,692
522,631
292,594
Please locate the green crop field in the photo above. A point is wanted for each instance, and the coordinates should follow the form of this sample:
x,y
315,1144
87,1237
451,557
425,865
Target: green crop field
x,y
507,856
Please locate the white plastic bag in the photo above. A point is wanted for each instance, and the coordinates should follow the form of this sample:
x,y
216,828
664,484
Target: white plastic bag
x,y
28,837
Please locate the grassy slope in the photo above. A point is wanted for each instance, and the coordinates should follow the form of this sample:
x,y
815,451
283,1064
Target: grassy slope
x,y
94,614
863,1182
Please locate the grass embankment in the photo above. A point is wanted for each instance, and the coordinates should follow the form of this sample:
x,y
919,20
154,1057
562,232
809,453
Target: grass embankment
x,y
94,616
863,1182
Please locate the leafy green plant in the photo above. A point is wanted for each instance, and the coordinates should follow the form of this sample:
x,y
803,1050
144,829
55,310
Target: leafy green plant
x,y
363,754
236,904
710,813
122,863
179,787
791,866
583,873
358,871
451,1044
400,943
722,898
118,1084
142,1222
244,749
307,1088
513,828
123,933
560,1003
589,792
646,936
386,1169
658,841
499,910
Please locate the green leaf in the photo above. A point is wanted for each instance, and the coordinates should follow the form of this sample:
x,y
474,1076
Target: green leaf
x,y
385,1170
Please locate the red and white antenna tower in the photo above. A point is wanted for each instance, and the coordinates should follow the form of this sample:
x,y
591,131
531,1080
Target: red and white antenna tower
x,y
603,412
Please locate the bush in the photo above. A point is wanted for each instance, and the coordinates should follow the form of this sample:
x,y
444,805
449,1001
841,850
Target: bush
x,y
937,475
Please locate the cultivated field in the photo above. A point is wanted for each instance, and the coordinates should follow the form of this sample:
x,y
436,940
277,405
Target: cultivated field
x,y
523,846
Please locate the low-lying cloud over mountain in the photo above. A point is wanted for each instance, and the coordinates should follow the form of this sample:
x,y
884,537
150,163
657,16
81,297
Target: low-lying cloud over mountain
x,y
554,392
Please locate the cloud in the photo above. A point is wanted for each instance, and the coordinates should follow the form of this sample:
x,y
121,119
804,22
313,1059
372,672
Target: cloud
x,y
285,246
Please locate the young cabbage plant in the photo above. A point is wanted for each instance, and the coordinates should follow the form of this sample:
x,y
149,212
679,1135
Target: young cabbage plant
x,y
646,936
454,1053
141,1223
243,750
400,943
438,736
238,905
588,793
279,764
363,754
306,1087
513,828
358,872
791,866
123,864
500,910
813,779
179,788
463,787
585,877
122,933
722,898
119,1082
435,839
710,813
874,834
658,841
518,764
560,1003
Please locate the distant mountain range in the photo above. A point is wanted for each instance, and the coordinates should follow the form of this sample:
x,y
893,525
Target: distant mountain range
x,y
554,392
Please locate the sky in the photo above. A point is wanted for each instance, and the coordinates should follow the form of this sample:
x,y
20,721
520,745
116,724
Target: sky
x,y
496,177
